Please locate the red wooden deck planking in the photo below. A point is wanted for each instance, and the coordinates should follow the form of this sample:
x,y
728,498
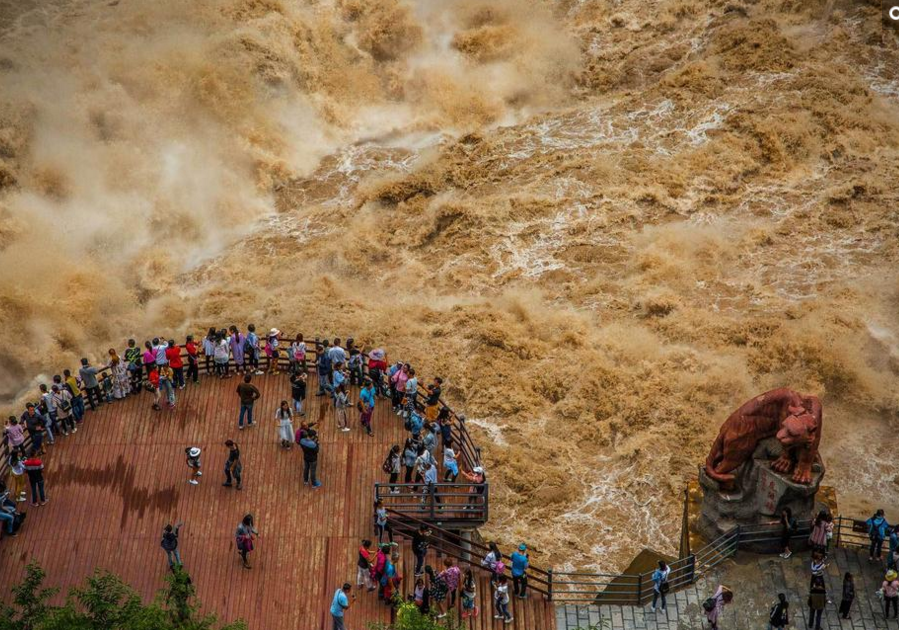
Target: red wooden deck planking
x,y
122,477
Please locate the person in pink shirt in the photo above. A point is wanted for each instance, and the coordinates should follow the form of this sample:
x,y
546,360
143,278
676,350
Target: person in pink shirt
x,y
452,576
15,434
398,381
148,358
890,588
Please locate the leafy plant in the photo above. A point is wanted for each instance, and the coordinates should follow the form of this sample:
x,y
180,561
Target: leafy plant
x,y
105,602
408,617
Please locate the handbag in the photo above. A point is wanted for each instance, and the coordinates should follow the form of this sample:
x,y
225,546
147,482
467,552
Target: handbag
x,y
62,403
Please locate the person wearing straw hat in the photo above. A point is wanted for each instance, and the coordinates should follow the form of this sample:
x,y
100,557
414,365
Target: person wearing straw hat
x,y
890,589
193,462
271,350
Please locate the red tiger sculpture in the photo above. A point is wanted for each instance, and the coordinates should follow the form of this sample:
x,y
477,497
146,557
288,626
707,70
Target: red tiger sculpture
x,y
793,418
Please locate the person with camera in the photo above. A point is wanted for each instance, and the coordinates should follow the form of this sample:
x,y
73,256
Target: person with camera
x,y
660,586
310,445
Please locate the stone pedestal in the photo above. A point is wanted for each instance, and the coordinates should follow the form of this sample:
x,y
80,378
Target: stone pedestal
x,y
758,497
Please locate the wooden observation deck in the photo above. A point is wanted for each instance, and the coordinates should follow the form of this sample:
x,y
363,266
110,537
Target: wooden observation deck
x,y
115,484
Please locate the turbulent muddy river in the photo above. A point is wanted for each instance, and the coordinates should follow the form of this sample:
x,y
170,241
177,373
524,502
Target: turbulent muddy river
x,y
605,223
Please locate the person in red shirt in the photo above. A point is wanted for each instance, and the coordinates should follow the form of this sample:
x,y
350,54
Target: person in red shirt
x,y
173,355
153,379
35,469
377,366
193,360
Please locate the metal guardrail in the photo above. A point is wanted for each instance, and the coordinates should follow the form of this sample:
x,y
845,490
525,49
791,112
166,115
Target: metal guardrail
x,y
436,503
454,545
470,454
637,589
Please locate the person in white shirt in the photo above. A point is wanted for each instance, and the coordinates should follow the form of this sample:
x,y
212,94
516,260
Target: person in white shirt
x,y
501,597
336,353
159,348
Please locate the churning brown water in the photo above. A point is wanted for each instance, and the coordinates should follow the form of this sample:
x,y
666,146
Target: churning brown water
x,y
606,223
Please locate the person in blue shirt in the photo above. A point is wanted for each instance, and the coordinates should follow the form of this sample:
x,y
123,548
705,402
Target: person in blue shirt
x,y
367,404
415,425
520,562
894,547
430,479
660,584
339,605
324,366
877,532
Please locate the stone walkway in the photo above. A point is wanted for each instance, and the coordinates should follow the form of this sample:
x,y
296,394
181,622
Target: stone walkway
x,y
756,581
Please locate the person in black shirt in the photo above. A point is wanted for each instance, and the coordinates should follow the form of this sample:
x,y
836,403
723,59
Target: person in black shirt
x,y
298,392
309,444
432,402
233,465
169,544
780,613
848,595
420,547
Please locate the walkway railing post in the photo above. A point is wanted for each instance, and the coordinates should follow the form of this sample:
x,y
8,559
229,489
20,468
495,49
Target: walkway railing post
x,y
432,489
549,584
839,529
692,570
640,589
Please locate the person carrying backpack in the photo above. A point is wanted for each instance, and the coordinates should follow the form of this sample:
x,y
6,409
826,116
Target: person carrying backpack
x,y
660,585
169,544
817,601
877,532
244,538
391,466
779,616
715,604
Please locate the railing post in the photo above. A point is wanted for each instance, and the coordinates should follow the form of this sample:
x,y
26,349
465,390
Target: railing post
x,y
737,539
549,585
692,570
839,530
432,488
640,590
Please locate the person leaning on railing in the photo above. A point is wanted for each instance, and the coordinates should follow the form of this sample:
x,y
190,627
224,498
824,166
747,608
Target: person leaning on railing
x,y
15,435
77,399
34,423
478,479
88,375
7,511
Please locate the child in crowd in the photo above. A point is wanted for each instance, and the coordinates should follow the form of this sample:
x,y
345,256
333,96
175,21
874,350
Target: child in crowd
x,y
298,391
106,387
469,596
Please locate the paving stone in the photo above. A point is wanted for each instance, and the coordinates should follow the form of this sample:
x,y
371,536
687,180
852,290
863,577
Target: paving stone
x,y
756,581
